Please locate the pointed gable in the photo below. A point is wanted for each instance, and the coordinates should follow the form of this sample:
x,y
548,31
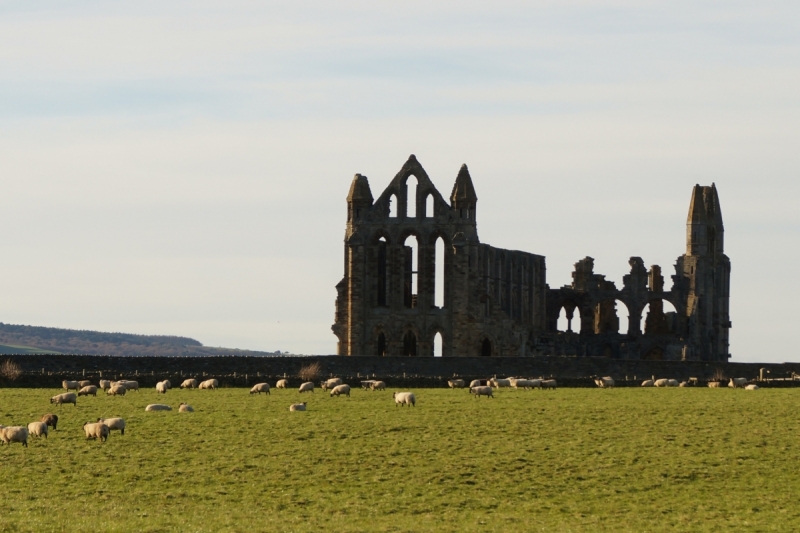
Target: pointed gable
x,y
463,190
360,193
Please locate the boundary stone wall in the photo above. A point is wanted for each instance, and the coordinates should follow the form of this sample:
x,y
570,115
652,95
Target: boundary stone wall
x,y
241,371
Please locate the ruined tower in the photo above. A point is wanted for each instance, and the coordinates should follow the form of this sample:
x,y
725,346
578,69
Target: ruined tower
x,y
416,270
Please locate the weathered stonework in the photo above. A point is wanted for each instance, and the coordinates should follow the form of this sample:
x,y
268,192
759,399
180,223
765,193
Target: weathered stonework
x,y
497,302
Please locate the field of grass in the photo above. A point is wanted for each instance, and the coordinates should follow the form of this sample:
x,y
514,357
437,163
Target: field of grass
x,y
570,460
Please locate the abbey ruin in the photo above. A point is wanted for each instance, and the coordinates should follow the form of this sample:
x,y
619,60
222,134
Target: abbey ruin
x,y
495,302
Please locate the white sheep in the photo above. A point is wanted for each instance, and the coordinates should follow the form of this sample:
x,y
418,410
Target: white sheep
x,y
69,385
129,385
258,388
185,408
298,407
189,384
86,391
684,384
114,424
67,397
378,385
474,383
367,383
498,383
282,384
14,434
456,383
96,430
212,384
648,383
158,407
340,389
549,384
117,390
713,384
161,387
526,383
661,382
308,386
37,429
672,383
737,383
482,390
604,383
752,386
330,383
404,398
105,384
167,383
84,383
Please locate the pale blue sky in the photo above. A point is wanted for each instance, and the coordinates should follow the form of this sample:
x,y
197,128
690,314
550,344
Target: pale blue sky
x,y
181,167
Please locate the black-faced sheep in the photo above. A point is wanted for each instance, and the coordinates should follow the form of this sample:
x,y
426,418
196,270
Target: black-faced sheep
x,y
96,430
50,419
88,390
114,424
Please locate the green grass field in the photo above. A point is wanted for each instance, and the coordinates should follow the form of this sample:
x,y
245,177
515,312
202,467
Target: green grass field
x,y
570,460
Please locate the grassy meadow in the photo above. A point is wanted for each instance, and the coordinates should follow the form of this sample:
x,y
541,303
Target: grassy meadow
x,y
694,459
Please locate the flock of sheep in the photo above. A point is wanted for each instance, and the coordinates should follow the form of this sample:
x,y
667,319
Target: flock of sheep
x,y
101,429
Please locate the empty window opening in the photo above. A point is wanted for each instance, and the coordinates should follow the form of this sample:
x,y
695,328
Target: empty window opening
x,y
437,345
439,274
411,196
410,344
569,319
608,320
659,318
429,206
381,344
486,348
410,271
393,206
383,279
562,320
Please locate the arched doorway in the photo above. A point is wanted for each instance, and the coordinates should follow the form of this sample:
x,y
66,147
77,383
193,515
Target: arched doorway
x,y
410,344
381,344
438,346
486,348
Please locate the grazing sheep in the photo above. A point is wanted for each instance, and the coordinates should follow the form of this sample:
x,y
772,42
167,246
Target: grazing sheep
x,y
684,384
84,383
105,384
129,385
158,407
308,386
161,387
474,383
167,383
661,383
37,429
482,390
648,383
672,383
212,384
67,397
330,383
713,384
96,430
605,382
378,385
50,419
14,434
456,383
737,383
69,385
282,384
497,383
189,384
86,391
367,383
298,407
185,408
114,423
117,390
258,388
338,390
752,386
549,384
526,383
404,398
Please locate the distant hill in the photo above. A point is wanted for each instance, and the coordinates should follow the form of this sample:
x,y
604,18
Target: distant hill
x,y
16,339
